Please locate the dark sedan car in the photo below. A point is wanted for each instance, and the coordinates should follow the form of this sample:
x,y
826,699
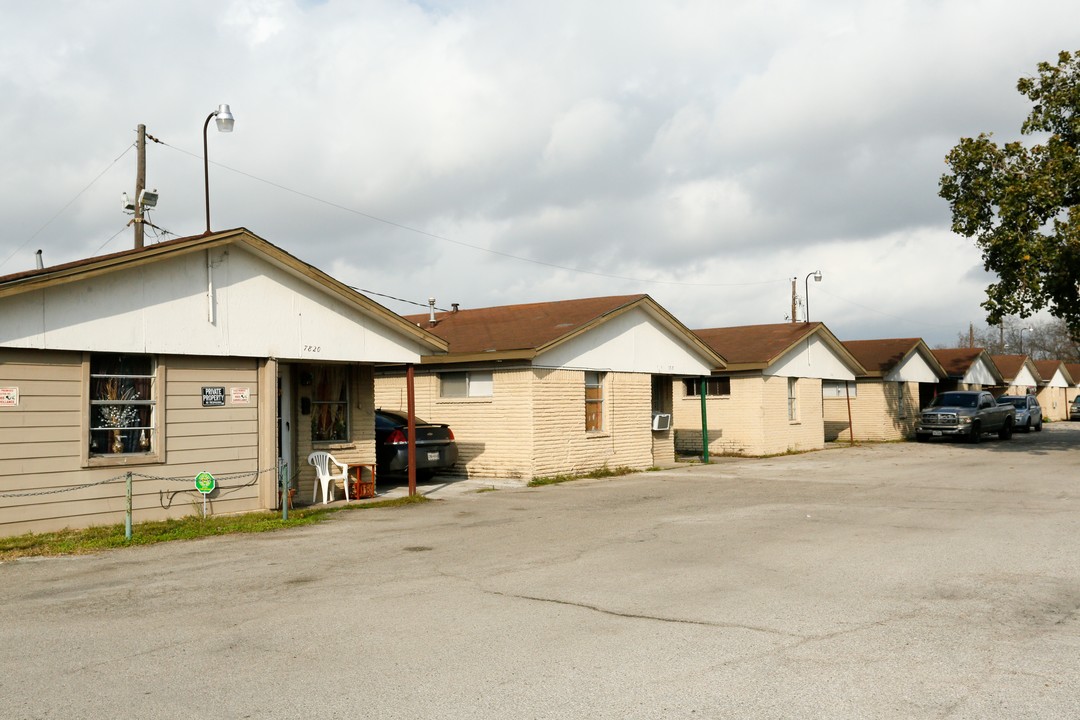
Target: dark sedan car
x,y
1028,411
436,450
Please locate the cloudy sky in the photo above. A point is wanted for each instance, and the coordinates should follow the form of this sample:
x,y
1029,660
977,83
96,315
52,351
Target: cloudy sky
x,y
489,152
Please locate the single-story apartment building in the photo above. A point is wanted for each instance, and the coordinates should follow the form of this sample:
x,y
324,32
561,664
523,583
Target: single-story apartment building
x,y
1019,375
218,354
967,369
550,388
768,400
883,403
1053,392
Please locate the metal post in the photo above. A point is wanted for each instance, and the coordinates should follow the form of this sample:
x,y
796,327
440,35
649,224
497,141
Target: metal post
x,y
851,427
410,376
704,425
206,169
127,516
283,483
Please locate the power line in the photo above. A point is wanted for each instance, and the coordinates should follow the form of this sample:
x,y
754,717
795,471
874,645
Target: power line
x,y
391,297
443,238
67,205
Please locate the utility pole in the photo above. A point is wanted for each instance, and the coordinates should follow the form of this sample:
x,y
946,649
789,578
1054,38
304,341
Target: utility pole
x,y
794,317
140,185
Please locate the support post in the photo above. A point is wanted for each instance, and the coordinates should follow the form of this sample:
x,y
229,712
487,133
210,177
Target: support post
x,y
410,377
283,483
850,426
704,425
127,515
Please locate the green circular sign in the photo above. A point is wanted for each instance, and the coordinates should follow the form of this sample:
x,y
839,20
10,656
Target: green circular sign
x,y
204,483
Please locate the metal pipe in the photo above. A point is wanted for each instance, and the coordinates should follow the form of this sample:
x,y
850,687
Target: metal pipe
x,y
704,424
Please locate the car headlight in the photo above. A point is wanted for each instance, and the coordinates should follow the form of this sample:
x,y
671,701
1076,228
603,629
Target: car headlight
x,y
965,420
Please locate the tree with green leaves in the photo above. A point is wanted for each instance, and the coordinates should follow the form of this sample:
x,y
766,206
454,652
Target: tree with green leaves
x,y
1021,202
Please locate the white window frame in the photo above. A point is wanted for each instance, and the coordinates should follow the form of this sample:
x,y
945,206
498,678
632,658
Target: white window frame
x,y
478,384
831,389
793,399
595,381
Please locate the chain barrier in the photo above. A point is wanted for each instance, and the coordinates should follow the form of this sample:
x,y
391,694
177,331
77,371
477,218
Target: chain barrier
x,y
121,478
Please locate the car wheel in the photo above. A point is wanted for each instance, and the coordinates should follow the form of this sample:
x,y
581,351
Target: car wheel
x,y
976,434
1027,426
921,437
1005,433
1038,428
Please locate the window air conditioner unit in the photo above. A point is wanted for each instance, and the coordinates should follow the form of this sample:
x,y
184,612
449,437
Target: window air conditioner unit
x,y
661,421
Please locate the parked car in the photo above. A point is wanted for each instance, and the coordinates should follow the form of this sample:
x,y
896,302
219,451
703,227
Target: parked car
x,y
436,450
1074,409
1028,411
967,414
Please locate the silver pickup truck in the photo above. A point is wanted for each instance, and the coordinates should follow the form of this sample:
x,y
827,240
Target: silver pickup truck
x,y
965,413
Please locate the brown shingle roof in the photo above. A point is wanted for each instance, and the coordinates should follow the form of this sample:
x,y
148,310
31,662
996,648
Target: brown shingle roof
x,y
520,327
957,361
881,356
1047,368
756,344
1011,365
1074,372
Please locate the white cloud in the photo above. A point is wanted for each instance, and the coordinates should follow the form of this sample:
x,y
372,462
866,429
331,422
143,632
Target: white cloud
x,y
703,152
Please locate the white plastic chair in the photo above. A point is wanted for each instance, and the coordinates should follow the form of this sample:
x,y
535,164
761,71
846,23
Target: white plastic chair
x,y
322,461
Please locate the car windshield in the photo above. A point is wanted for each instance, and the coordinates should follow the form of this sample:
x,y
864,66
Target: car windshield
x,y
954,399
1014,401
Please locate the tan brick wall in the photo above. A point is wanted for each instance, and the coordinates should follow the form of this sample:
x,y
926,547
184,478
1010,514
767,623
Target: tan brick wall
x,y
561,443
752,420
493,435
876,412
533,425
1053,402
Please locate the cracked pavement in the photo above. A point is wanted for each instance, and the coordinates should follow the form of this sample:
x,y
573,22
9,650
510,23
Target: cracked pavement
x,y
898,580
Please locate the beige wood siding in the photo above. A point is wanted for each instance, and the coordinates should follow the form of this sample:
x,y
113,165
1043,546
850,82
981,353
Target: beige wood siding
x,y
877,412
44,452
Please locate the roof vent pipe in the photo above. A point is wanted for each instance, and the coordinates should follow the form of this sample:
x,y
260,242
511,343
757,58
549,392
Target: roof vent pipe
x,y
431,311
454,307
38,261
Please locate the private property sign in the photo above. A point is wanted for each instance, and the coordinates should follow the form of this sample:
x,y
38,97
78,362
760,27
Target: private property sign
x,y
9,397
213,397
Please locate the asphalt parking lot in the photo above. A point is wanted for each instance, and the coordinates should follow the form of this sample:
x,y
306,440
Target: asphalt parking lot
x,y
904,580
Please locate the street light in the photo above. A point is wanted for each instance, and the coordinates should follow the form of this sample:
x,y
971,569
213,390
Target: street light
x,y
1028,329
806,290
225,122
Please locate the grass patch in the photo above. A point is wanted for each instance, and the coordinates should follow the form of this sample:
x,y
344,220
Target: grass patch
x,y
603,472
487,489
108,537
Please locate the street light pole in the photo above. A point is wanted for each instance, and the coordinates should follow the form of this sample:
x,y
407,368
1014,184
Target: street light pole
x,y
225,122
1022,338
806,290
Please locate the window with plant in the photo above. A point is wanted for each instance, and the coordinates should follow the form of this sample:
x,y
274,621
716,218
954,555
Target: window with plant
x,y
122,401
330,404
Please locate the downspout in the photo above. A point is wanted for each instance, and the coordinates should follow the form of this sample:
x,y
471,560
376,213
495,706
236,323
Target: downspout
x,y
209,288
